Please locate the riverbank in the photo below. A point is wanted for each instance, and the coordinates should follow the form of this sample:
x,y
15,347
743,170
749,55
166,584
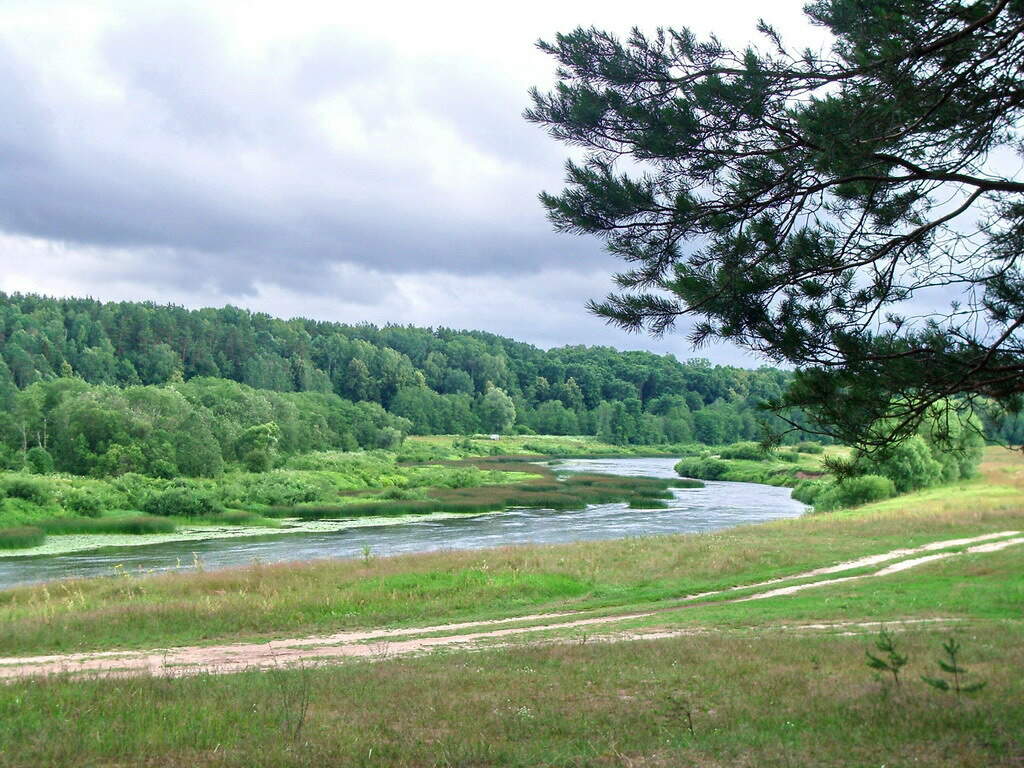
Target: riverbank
x,y
390,493
778,680
268,601
430,478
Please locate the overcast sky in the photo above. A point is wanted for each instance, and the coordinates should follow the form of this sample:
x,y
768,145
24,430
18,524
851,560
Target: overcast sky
x,y
344,161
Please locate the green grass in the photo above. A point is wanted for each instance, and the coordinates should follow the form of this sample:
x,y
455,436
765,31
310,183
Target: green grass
x,y
320,597
21,537
770,699
755,688
533,485
135,525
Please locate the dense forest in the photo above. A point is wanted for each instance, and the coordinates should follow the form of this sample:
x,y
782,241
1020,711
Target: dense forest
x,y
406,379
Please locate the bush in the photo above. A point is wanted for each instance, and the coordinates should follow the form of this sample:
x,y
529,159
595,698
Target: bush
x,y
749,451
21,537
29,489
182,502
807,491
702,468
83,502
39,461
281,487
910,465
790,457
135,489
810,447
854,491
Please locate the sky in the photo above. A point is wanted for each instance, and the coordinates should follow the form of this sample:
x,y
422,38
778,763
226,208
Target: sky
x,y
357,162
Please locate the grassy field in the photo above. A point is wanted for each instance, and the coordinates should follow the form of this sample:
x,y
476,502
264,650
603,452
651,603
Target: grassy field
x,y
317,597
740,684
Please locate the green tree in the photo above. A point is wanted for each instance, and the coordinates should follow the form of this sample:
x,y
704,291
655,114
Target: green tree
x,y
497,411
257,445
795,202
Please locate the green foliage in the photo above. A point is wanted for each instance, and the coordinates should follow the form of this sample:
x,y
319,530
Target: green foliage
x,y
702,468
910,465
38,461
21,537
892,661
951,666
852,492
257,445
83,502
807,490
135,525
749,451
30,489
103,413
497,411
802,235
807,446
278,487
181,501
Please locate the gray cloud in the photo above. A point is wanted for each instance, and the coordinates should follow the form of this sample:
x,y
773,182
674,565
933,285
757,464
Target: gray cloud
x,y
337,172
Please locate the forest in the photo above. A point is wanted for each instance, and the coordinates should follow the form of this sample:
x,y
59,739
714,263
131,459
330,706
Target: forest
x,y
107,388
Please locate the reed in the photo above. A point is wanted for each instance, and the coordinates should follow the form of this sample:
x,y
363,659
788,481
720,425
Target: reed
x,y
135,525
21,537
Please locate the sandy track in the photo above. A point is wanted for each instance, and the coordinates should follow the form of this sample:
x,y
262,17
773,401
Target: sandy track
x,y
386,643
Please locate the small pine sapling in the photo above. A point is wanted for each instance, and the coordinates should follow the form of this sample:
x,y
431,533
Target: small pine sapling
x,y
951,666
893,660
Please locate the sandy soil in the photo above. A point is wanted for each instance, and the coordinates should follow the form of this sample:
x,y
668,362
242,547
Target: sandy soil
x,y
386,643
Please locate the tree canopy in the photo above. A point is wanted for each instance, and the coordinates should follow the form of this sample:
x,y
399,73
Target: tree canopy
x,y
437,379
852,212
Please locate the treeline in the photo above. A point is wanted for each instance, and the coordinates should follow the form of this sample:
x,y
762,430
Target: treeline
x,y
442,381
189,428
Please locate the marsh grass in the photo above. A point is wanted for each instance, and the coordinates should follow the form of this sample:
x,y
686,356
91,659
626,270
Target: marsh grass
x,y
540,490
135,525
21,537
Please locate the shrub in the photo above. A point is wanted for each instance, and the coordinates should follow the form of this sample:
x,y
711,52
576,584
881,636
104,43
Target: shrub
x,y
135,488
258,460
28,488
83,502
790,457
279,488
181,502
854,491
910,465
749,451
21,537
807,491
39,461
394,493
810,447
702,468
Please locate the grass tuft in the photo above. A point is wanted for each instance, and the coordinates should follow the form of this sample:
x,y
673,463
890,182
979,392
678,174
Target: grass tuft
x,y
21,537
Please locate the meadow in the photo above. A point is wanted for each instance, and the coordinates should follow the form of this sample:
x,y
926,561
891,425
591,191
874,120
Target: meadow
x,y
721,683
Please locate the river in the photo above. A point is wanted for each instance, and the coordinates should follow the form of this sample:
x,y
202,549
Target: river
x,y
718,505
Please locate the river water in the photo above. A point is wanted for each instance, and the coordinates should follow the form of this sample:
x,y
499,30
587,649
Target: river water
x,y
718,505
